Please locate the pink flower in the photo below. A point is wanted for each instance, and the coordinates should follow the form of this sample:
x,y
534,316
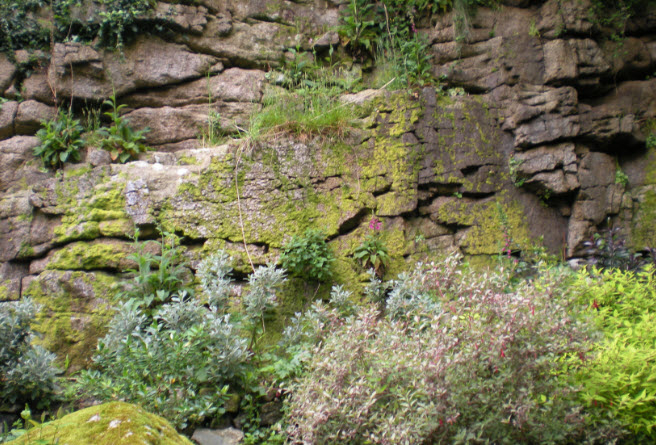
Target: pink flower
x,y
375,224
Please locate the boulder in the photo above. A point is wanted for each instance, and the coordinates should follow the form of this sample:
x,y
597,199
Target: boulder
x,y
75,311
7,72
232,85
114,423
226,436
19,166
11,275
29,116
147,63
7,115
168,124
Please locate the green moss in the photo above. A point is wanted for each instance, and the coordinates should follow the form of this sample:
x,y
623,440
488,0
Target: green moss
x,y
100,201
5,295
90,256
488,221
643,233
75,313
112,423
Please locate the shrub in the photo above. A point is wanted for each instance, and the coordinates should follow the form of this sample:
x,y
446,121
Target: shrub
x,y
60,140
178,363
179,358
619,381
27,373
122,142
476,365
308,256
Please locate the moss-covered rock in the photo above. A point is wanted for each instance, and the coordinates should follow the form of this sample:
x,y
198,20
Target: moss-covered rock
x,y
75,313
112,423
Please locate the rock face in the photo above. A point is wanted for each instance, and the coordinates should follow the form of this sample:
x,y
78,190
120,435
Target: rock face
x,y
113,423
539,129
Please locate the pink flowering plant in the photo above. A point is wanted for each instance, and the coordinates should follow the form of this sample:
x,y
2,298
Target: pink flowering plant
x,y
372,252
466,361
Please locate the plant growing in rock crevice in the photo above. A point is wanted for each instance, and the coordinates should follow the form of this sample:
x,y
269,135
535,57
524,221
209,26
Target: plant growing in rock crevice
x,y
122,142
60,140
372,252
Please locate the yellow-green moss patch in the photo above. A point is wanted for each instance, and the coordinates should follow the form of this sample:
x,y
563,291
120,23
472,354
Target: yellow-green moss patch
x,y
115,423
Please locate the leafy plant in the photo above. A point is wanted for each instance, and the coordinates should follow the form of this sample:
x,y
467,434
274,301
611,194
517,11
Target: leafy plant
x,y
60,140
608,249
308,256
618,382
122,142
27,372
621,177
158,277
372,252
178,362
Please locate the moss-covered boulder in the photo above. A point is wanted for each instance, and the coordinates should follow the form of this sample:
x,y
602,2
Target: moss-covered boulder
x,y
75,311
113,423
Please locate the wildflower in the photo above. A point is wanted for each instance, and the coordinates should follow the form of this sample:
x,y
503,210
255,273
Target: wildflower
x,y
375,224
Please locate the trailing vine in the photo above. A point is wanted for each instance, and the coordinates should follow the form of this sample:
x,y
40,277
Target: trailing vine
x,y
33,24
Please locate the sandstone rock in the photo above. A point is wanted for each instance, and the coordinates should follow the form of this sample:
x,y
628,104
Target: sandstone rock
x,y
578,232
551,168
630,58
226,436
75,311
36,87
11,275
232,85
557,18
19,167
149,62
596,169
7,115
7,72
116,423
559,62
29,116
191,19
176,124
540,115
259,45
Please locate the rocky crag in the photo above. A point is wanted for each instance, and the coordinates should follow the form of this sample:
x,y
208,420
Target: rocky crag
x,y
537,133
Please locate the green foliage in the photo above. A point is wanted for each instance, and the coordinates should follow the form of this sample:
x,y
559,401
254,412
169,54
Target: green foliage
x,y
179,362
158,277
27,372
308,256
651,141
122,142
607,249
621,177
304,112
372,253
618,381
60,140
466,362
18,27
614,14
29,24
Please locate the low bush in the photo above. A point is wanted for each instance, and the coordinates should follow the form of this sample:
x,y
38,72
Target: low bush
x,y
27,372
466,361
308,256
179,358
619,382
